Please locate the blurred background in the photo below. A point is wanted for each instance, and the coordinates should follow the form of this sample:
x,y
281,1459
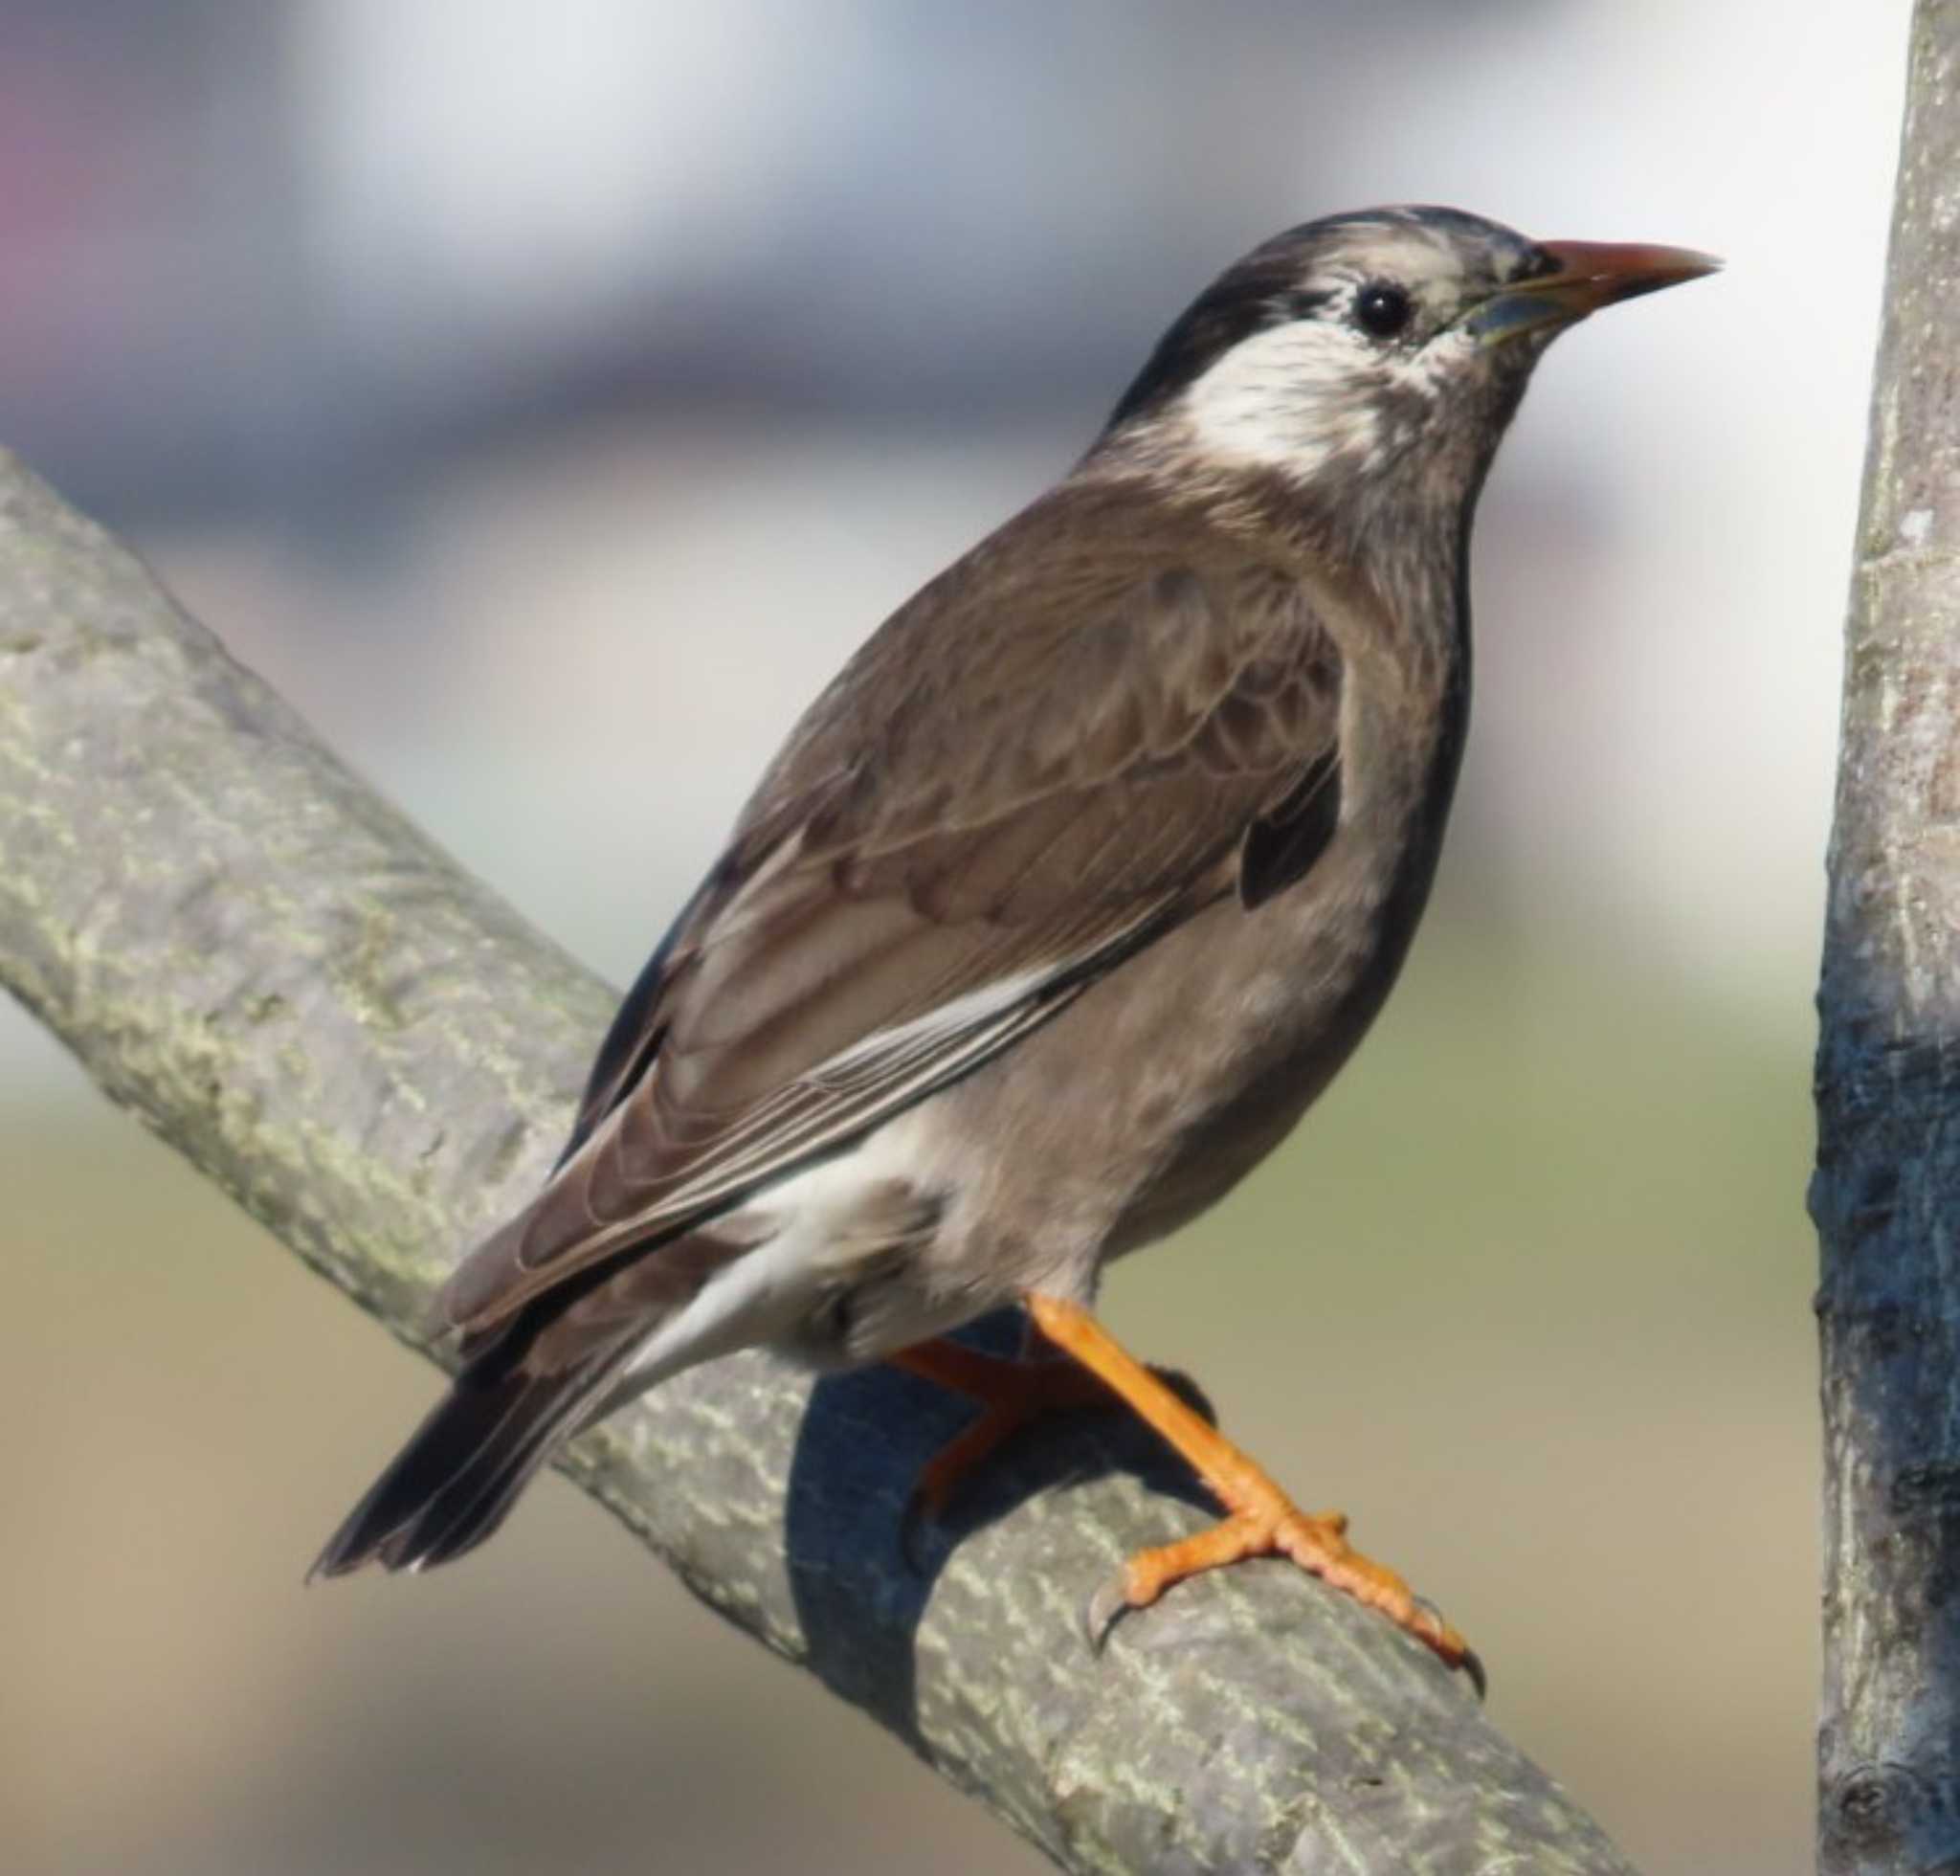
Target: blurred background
x,y
546,397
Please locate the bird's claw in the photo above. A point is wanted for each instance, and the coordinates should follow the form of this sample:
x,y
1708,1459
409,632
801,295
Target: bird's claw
x,y
1105,1608
1468,1658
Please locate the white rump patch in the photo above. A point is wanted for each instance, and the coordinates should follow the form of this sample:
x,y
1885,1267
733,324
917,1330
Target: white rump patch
x,y
767,1293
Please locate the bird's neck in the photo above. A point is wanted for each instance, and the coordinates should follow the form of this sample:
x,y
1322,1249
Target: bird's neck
x,y
1399,556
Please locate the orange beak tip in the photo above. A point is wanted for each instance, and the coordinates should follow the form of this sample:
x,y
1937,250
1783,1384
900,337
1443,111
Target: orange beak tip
x,y
1594,274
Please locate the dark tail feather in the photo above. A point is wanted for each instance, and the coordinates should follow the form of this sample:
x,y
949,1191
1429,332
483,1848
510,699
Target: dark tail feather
x,y
462,1469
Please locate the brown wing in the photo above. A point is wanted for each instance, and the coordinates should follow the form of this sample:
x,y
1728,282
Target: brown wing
x,y
1044,761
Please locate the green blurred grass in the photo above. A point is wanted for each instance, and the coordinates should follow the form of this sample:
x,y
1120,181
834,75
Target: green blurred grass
x,y
1528,1296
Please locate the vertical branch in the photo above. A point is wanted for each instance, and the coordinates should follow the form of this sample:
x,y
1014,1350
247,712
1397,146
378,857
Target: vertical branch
x,y
1887,1195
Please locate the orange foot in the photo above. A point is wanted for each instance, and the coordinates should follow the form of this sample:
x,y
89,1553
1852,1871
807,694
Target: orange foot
x,y
1261,1520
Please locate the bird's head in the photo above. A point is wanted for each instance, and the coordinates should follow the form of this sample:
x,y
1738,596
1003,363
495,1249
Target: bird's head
x,y
1373,358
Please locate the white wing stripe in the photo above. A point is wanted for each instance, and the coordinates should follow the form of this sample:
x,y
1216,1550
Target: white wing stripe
x,y
904,1041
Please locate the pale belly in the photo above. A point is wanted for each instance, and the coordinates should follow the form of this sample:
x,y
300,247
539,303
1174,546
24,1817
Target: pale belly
x,y
1148,1100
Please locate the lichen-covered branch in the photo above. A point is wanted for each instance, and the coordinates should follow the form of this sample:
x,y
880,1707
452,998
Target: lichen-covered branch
x,y
1886,1196
300,994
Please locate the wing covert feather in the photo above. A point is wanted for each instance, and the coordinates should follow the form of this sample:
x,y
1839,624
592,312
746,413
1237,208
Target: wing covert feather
x,y
1061,747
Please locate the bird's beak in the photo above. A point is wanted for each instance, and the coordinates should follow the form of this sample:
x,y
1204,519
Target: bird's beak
x,y
1579,277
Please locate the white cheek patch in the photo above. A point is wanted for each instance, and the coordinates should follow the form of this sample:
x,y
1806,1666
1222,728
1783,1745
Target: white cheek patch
x,y
1294,397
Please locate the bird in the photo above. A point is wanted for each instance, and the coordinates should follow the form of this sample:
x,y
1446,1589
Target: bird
x,y
1058,908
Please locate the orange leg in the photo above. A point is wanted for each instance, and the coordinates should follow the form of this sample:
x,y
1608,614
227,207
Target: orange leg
x,y
1261,1520
1010,1394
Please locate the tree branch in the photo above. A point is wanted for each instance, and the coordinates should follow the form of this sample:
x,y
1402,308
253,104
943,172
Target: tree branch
x,y
1889,1064
376,1059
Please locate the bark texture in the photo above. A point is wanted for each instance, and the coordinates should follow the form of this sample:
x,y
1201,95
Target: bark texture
x,y
375,1058
1886,1196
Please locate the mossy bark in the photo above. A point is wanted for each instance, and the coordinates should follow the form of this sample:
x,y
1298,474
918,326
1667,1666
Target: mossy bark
x,y
1886,1195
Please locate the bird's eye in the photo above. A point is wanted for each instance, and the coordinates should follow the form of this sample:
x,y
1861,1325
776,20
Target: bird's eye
x,y
1382,309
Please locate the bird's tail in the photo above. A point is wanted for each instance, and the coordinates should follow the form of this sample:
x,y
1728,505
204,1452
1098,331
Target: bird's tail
x,y
464,1466
528,1382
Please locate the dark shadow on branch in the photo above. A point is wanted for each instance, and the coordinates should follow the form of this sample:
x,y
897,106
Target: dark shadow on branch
x,y
863,1441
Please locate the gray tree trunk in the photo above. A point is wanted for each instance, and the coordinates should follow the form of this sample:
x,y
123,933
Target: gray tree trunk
x,y
376,1059
1886,1196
